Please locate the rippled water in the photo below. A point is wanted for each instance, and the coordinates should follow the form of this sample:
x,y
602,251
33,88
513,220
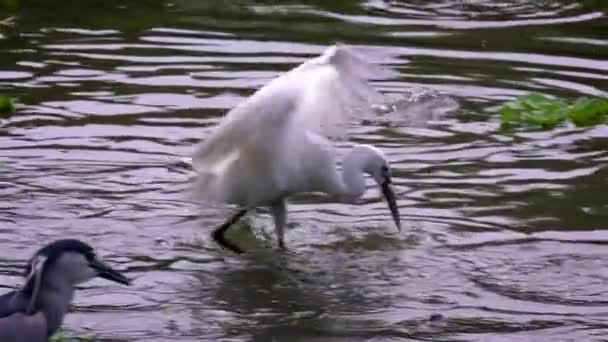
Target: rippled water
x,y
505,232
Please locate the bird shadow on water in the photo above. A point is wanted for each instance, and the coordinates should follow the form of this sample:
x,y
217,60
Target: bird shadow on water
x,y
301,294
276,299
311,297
315,297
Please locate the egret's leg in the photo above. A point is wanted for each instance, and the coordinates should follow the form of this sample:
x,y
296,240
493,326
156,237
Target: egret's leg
x,y
218,233
278,210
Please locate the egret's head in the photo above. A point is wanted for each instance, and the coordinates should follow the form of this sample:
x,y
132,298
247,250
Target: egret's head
x,y
69,261
378,167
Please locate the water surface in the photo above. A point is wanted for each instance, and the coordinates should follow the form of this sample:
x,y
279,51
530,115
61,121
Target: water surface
x,y
505,233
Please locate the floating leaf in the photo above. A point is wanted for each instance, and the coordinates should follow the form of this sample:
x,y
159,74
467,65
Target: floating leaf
x,y
510,116
542,111
588,111
10,5
7,105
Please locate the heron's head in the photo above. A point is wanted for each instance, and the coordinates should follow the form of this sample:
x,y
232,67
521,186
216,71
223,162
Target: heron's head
x,y
376,165
69,261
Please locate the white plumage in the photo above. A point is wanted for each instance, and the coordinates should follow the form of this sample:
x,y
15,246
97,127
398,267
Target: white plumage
x,y
278,141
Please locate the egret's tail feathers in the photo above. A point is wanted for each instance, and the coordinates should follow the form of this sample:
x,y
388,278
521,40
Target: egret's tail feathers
x,y
205,190
338,90
320,96
214,157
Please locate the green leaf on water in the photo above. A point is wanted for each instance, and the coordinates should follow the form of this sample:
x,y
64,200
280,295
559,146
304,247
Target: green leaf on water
x,y
588,111
7,105
10,5
61,337
509,116
537,110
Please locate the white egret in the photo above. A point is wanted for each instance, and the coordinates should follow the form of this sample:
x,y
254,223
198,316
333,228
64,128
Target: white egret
x,y
277,143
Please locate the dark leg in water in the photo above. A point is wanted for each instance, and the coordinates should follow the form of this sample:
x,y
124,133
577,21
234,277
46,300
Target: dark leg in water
x,y
218,233
278,211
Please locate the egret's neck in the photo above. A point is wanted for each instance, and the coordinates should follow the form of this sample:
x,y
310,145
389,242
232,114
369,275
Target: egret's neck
x,y
352,185
54,301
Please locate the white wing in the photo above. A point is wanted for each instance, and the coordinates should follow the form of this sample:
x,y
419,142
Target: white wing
x,y
318,96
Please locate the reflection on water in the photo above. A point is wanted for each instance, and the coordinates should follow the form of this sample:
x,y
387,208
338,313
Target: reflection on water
x,y
504,237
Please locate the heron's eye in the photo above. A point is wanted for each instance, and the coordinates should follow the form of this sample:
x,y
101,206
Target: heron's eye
x,y
384,169
90,256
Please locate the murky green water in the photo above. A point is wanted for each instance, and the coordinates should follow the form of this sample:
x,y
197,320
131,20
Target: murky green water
x,y
505,233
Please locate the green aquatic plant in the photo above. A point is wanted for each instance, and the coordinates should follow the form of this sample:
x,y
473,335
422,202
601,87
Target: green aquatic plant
x,y
588,111
539,110
61,337
7,105
9,5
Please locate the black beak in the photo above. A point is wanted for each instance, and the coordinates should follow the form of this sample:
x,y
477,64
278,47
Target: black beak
x,y
106,272
389,195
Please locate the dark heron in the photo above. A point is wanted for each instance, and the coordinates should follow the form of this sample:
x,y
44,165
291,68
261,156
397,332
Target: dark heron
x,y
34,312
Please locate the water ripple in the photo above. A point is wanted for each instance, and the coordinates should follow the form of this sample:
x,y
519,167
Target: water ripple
x,y
504,232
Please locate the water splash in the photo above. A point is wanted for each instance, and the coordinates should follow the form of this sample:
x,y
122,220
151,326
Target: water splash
x,y
416,107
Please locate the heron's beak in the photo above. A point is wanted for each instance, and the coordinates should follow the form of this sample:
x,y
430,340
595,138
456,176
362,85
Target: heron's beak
x,y
106,272
389,195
